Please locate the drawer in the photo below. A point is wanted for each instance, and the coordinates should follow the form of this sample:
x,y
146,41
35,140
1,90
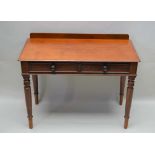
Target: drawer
x,y
79,67
50,67
117,67
106,68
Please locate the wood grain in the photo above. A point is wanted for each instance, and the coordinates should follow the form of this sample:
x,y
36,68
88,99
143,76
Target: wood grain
x,y
122,86
98,50
35,88
131,80
28,99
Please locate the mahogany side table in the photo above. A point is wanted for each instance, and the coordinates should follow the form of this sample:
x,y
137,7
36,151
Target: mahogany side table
x,y
62,53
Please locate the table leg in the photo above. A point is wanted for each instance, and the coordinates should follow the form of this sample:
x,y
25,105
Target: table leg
x,y
130,88
28,99
122,86
35,86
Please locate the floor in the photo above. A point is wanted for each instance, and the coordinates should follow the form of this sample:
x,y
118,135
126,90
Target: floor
x,y
78,115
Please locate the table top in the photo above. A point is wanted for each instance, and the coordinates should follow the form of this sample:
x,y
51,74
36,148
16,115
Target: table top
x,y
89,50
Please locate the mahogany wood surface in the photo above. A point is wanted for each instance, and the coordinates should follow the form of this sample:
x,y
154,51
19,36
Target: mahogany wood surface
x,y
92,50
79,36
122,86
131,80
60,53
35,87
76,68
28,99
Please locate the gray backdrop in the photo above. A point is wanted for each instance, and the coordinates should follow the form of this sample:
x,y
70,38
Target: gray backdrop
x,y
79,96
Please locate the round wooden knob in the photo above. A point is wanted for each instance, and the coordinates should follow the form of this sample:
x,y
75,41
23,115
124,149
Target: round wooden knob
x,y
52,67
105,68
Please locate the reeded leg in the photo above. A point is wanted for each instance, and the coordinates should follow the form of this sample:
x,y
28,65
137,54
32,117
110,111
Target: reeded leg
x,y
129,99
35,86
122,86
28,99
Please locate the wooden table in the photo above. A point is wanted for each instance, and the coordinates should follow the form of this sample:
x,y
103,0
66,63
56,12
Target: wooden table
x,y
57,53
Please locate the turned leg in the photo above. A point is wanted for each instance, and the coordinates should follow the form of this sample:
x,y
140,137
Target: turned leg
x,y
35,86
129,99
122,86
28,99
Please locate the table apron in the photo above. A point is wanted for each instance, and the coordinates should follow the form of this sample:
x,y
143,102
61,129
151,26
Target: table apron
x,y
103,68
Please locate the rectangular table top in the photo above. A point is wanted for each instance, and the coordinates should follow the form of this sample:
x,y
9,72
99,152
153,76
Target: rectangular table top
x,y
83,50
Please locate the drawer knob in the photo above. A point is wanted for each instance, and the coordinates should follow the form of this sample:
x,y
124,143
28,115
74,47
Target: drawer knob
x,y
105,68
52,67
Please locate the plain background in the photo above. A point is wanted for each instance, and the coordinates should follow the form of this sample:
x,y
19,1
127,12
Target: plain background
x,y
76,103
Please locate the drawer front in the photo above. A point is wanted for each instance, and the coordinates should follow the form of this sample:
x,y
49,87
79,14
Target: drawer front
x,y
118,67
79,67
49,67
106,68
92,67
